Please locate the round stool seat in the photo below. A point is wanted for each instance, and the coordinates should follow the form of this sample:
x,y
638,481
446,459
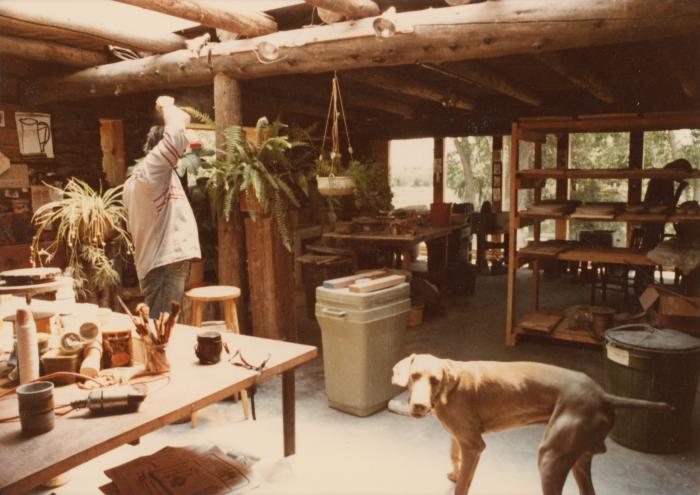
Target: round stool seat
x,y
214,293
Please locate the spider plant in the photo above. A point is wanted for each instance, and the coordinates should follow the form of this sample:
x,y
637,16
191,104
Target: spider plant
x,y
85,221
271,166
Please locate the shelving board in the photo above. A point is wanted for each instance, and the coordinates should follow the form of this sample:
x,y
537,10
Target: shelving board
x,y
624,256
611,173
621,217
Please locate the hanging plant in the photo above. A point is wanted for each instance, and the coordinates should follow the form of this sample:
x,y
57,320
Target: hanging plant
x,y
328,183
263,175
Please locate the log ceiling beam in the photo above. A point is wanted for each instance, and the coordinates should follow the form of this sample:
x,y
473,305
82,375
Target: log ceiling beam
x,y
683,68
212,14
350,9
481,75
389,81
22,17
483,30
44,51
579,75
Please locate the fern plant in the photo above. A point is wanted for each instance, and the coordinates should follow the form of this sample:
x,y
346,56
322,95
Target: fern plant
x,y
85,221
271,166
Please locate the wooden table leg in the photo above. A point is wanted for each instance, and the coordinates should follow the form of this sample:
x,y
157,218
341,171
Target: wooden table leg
x,y
535,285
288,412
406,260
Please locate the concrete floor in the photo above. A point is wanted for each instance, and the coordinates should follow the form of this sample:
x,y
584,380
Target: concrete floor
x,y
386,453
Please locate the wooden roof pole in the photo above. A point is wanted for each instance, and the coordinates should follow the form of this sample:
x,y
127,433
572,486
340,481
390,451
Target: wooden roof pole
x,y
578,75
14,17
212,14
351,9
483,30
45,51
394,82
476,73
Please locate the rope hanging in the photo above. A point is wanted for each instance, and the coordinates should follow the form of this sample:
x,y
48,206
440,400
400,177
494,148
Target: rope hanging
x,y
336,111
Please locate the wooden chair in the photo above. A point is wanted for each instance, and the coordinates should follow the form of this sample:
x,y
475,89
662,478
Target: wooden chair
x,y
226,295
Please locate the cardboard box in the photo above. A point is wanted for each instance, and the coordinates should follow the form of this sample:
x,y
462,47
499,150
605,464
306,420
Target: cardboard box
x,y
679,305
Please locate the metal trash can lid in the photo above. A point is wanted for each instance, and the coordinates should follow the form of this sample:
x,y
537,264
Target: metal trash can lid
x,y
650,339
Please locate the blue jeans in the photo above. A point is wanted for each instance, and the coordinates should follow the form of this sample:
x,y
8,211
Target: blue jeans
x,y
164,284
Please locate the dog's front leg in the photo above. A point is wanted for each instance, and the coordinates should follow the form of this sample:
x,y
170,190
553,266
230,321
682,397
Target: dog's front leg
x,y
469,458
455,456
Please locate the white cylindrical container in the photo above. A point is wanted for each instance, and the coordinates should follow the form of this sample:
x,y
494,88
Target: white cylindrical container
x,y
27,346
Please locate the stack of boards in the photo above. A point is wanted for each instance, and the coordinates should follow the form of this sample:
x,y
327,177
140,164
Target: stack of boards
x,y
553,207
366,281
598,210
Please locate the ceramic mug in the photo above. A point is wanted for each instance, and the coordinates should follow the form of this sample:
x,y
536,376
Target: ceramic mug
x,y
208,348
36,407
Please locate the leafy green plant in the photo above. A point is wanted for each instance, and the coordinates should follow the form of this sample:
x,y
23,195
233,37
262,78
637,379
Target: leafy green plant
x,y
85,221
372,190
272,167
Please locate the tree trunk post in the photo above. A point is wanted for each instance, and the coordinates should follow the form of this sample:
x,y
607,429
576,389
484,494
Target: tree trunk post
x,y
438,170
231,235
271,273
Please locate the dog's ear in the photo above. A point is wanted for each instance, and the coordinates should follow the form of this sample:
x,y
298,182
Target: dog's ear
x,y
450,379
401,371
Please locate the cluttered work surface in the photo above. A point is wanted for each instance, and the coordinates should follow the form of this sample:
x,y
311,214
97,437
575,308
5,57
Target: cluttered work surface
x,y
79,435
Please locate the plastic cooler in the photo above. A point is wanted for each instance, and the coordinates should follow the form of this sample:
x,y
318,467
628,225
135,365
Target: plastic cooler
x,y
363,336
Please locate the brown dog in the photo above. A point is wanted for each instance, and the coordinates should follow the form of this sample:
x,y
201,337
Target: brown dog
x,y
476,397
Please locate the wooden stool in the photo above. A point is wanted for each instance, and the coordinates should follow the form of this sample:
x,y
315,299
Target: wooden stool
x,y
226,295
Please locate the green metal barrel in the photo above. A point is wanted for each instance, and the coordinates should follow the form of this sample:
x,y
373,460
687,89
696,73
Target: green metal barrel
x,y
658,365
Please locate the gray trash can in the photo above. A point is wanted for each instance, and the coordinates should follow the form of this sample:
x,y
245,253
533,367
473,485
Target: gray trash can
x,y
363,336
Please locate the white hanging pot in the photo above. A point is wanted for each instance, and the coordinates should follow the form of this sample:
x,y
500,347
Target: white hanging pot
x,y
341,185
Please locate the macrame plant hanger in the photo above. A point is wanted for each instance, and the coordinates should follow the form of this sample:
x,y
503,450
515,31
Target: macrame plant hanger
x,y
335,185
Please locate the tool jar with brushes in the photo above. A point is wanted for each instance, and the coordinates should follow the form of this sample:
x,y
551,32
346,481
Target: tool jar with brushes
x,y
155,334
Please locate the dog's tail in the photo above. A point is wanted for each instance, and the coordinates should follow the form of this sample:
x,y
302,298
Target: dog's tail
x,y
627,403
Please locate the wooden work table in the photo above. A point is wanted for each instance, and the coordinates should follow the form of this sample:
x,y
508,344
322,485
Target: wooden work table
x,y
79,437
403,243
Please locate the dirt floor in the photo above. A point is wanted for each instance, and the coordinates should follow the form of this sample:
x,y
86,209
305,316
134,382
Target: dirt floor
x,y
387,453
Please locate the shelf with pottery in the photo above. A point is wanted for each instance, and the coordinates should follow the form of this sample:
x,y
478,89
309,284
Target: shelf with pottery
x,y
534,130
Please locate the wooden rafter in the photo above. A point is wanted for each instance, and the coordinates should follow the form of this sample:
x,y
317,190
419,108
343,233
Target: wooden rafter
x,y
390,81
579,75
213,14
350,9
45,51
683,69
15,17
476,73
483,30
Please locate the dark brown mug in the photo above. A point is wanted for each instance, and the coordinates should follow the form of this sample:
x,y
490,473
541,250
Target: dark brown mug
x,y
208,348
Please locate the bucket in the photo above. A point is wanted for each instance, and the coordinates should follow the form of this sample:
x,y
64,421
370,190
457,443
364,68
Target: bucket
x,y
440,214
657,365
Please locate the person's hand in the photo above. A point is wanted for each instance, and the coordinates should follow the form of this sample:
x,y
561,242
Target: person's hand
x,y
163,102
176,117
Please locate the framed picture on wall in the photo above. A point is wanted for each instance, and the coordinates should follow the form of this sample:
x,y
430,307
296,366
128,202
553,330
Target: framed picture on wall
x,y
34,134
2,118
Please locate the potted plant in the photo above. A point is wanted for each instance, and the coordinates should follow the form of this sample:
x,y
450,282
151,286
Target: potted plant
x,y
89,228
372,192
264,175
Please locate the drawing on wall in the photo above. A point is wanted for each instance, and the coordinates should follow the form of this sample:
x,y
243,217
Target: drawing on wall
x,y
34,134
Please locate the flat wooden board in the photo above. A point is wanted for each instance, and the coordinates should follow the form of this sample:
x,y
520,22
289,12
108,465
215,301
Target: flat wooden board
x,y
79,437
541,322
342,282
377,283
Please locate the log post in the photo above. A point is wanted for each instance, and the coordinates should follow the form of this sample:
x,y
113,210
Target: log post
x,y
634,186
231,236
438,170
271,275
562,191
497,174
